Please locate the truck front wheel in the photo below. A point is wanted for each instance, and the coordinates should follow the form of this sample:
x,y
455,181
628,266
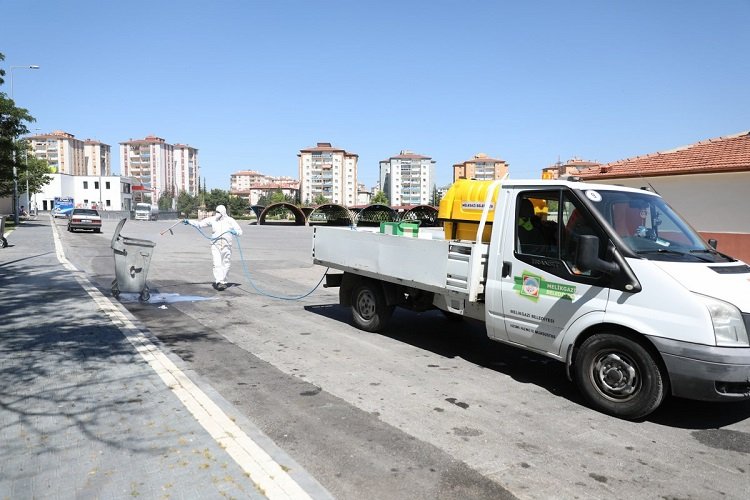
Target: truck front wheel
x,y
619,376
370,311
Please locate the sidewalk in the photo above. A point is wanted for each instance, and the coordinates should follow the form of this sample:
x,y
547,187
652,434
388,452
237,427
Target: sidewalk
x,y
92,407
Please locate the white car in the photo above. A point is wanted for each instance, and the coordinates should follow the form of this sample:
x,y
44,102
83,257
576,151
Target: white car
x,y
85,218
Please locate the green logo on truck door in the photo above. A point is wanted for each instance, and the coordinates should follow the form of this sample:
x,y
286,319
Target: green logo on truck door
x,y
532,286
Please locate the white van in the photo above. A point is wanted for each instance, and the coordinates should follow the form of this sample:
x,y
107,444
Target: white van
x,y
608,280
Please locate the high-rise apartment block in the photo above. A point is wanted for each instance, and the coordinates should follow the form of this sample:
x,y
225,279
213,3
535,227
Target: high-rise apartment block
x,y
408,178
160,167
186,177
328,172
97,158
67,155
480,167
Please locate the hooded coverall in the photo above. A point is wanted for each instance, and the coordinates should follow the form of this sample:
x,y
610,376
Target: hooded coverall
x,y
221,244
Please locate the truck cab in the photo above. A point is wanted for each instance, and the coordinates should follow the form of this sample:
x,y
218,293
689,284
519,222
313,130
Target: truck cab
x,y
146,211
606,279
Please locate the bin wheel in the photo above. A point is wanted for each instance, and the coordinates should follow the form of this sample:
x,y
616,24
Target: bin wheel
x,y
3,242
145,295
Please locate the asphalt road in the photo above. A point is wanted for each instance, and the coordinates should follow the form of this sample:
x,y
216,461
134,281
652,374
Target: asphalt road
x,y
429,409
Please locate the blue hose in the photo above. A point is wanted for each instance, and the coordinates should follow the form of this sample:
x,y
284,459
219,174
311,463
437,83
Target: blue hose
x,y
247,273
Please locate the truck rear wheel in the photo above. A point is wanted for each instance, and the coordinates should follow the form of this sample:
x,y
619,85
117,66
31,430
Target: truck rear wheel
x,y
619,376
370,311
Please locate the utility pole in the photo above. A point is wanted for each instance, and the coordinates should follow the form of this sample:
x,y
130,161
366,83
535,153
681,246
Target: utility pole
x,y
15,170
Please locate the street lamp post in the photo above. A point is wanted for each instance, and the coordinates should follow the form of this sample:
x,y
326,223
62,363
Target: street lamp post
x,y
15,178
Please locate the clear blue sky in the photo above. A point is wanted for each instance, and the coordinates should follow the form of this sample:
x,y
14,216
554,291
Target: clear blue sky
x,y
250,83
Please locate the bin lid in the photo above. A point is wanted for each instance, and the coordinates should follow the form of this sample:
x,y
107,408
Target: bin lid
x,y
117,231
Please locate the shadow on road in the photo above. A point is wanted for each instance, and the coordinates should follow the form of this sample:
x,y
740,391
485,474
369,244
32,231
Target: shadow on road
x,y
468,340
66,370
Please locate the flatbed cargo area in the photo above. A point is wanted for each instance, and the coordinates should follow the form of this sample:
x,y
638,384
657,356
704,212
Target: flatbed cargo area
x,y
435,265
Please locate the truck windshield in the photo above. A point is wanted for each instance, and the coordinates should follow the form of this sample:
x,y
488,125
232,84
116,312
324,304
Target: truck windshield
x,y
650,228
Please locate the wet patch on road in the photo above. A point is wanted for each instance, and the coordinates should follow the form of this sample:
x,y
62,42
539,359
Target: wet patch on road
x,y
312,392
460,404
162,298
724,439
598,477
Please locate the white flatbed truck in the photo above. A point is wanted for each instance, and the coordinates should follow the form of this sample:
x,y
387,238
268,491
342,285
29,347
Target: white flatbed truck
x,y
606,279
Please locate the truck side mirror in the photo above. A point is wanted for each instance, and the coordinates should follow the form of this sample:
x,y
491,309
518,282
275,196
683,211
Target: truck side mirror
x,y
587,257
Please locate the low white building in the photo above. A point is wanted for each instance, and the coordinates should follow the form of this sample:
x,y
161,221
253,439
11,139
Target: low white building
x,y
106,192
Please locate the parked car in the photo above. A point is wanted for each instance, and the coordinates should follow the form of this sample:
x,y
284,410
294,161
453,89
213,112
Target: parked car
x,y
85,218
61,212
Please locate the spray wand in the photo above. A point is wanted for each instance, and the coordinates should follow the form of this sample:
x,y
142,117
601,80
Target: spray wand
x,y
170,228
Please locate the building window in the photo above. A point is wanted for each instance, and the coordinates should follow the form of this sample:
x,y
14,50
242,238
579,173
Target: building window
x,y
96,184
106,185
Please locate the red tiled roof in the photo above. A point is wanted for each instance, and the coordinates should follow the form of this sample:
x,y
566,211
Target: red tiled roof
x,y
326,146
483,160
408,157
723,154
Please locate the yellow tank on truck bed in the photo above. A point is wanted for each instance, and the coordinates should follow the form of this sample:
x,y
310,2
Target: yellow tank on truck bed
x,y
461,209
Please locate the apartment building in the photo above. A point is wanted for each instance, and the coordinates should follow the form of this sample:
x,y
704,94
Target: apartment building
x,y
150,161
408,178
97,157
242,180
574,166
160,167
186,176
480,167
330,172
253,185
62,151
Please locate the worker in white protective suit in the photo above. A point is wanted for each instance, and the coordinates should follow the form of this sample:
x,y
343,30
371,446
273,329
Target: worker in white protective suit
x,y
223,230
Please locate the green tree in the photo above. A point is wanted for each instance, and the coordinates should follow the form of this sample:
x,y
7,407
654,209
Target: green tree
x,y
380,198
187,204
278,197
165,200
237,206
264,200
216,197
320,200
12,125
33,170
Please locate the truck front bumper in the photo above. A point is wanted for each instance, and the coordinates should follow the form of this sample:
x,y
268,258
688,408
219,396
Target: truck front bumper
x,y
704,372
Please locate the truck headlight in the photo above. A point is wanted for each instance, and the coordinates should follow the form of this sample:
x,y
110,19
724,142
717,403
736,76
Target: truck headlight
x,y
729,327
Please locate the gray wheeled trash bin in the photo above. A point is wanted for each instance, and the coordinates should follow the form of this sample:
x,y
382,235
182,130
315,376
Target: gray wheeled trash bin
x,y
132,258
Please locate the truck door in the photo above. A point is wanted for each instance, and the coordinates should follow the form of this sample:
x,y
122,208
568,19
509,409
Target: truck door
x,y
542,290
